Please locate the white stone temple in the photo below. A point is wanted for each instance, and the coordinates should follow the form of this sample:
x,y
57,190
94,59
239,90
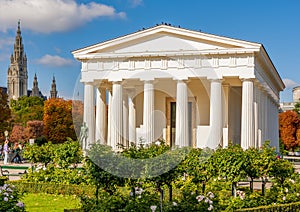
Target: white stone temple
x,y
187,87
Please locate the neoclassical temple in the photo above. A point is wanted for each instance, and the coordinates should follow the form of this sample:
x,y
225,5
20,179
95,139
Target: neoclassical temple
x,y
187,87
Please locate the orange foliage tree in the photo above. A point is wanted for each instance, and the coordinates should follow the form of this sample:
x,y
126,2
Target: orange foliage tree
x,y
77,115
58,122
289,129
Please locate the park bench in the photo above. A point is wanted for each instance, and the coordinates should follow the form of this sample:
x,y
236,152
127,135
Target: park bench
x,y
4,170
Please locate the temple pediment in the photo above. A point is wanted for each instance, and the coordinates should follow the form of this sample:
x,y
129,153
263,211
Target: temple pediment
x,y
163,39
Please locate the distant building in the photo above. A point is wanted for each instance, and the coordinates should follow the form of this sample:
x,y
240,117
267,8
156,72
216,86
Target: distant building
x,y
284,106
17,74
53,92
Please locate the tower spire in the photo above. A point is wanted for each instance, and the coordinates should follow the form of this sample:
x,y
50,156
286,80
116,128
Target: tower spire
x,y
53,92
35,88
17,76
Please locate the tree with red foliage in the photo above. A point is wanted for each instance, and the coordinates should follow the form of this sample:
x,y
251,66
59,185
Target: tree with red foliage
x,y
34,129
18,134
58,122
289,129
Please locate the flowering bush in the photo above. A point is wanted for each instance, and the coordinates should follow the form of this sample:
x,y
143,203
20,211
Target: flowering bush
x,y
9,199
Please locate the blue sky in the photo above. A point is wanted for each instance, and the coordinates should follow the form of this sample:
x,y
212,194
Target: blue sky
x,y
51,29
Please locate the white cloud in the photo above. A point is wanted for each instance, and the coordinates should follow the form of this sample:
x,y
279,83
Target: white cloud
x,y
54,60
289,83
135,3
48,16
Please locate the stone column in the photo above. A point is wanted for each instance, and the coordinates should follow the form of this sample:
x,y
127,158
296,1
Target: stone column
x,y
181,138
101,115
109,116
255,108
132,117
125,119
226,89
89,114
116,122
260,117
148,116
247,128
216,122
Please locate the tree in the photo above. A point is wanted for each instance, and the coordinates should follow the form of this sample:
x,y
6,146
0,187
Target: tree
x,y
58,122
27,109
297,108
34,129
5,114
18,134
289,123
68,153
77,115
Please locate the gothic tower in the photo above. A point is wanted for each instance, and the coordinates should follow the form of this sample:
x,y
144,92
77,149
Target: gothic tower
x,y
17,72
35,89
53,92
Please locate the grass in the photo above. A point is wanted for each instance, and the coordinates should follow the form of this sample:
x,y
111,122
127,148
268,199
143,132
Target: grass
x,y
49,202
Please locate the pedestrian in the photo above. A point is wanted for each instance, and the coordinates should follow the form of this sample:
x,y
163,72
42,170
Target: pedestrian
x,y
16,157
6,151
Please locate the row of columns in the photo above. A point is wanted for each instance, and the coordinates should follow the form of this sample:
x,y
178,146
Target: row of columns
x,y
114,129
258,111
259,121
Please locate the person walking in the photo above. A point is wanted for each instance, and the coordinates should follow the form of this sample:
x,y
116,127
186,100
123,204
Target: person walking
x,y
6,151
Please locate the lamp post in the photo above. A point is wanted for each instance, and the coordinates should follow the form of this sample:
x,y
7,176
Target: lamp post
x,y
6,134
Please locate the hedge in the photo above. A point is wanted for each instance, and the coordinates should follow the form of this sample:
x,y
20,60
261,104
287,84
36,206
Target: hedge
x,y
51,188
290,207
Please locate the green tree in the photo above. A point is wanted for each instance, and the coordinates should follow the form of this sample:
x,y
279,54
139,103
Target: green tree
x,y
39,154
27,109
5,114
297,108
228,164
251,165
101,159
68,153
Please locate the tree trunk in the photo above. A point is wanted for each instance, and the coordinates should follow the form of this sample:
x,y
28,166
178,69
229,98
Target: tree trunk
x,y
170,193
233,192
161,199
203,187
251,185
97,194
263,187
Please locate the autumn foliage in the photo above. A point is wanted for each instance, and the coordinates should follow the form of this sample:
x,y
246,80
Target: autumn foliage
x,y
289,125
34,129
18,134
58,122
77,115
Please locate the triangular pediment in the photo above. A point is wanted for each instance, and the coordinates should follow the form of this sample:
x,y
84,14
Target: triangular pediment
x,y
164,38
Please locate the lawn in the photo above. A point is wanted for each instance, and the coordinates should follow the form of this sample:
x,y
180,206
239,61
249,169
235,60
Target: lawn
x,y
49,202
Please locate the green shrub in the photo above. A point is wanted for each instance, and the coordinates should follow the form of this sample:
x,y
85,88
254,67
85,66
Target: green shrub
x,y
275,208
51,174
